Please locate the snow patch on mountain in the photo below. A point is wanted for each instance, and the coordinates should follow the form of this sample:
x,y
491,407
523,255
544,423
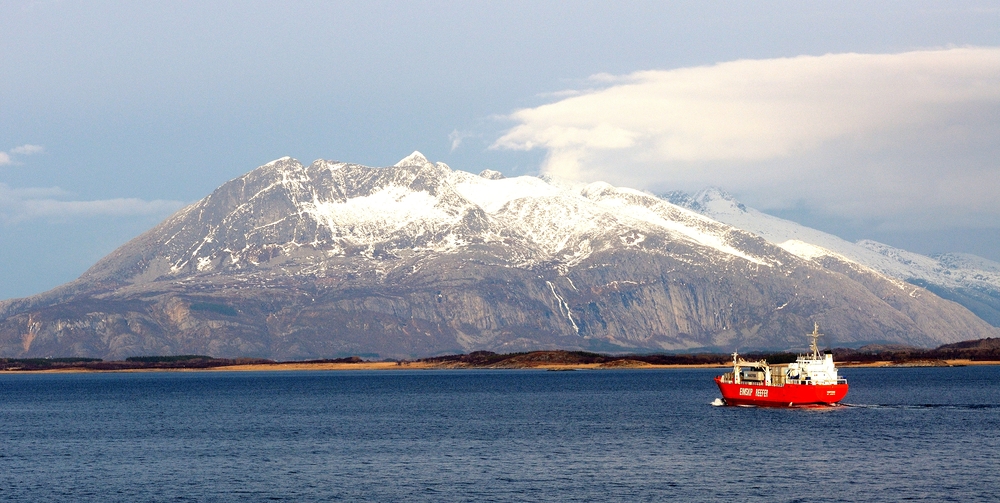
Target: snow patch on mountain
x,y
558,218
493,194
969,262
804,250
657,213
372,217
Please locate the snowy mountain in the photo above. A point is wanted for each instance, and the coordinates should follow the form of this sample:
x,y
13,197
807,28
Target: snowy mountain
x,y
334,259
343,210
967,279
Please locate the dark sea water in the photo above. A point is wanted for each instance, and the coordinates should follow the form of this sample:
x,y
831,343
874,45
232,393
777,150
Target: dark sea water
x,y
616,435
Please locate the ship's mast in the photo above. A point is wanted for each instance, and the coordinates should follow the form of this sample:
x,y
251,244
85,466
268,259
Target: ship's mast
x,y
814,346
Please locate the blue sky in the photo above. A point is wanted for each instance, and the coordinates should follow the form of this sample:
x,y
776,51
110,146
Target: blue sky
x,y
113,114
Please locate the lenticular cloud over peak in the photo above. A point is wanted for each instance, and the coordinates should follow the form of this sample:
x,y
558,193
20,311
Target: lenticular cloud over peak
x,y
854,134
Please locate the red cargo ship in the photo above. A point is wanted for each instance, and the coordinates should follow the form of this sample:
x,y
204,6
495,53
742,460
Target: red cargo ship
x,y
811,381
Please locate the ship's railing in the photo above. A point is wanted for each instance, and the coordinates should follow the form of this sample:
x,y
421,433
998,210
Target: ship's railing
x,y
818,383
780,380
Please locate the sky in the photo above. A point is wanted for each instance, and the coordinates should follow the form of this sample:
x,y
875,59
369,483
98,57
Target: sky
x,y
869,120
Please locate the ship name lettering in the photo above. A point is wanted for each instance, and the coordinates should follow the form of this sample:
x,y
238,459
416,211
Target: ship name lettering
x,y
762,392
746,391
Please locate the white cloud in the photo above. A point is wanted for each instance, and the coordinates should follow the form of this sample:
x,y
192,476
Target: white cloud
x,y
28,149
456,137
49,203
867,136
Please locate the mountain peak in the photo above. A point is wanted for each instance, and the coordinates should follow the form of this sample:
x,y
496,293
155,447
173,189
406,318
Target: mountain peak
x,y
716,199
489,174
277,163
414,159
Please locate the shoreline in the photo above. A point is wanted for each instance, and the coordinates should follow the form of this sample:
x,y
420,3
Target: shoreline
x,y
391,366
919,363
380,366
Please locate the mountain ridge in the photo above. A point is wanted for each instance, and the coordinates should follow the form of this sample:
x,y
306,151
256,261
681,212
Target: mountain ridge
x,y
969,280
337,259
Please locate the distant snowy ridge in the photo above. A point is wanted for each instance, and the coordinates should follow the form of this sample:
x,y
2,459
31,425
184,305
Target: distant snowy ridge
x,y
955,272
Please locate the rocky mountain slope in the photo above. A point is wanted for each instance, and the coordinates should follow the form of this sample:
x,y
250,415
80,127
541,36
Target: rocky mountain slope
x,y
967,279
334,259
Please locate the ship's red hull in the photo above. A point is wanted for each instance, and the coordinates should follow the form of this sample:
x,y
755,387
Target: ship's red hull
x,y
789,395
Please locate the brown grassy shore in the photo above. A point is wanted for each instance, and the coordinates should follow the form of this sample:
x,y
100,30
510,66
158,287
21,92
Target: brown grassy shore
x,y
299,366
433,366
546,360
617,364
541,360
918,363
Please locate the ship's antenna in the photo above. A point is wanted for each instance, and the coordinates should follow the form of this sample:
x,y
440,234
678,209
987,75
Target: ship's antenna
x,y
815,335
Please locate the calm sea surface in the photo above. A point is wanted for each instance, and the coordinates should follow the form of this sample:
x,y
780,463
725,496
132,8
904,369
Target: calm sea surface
x,y
615,435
